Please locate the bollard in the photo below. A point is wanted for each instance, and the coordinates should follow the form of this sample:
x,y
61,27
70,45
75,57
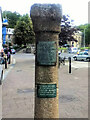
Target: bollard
x,y
59,62
9,59
5,60
0,82
64,61
69,64
46,20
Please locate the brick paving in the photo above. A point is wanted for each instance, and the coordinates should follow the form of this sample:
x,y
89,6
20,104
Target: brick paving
x,y
18,91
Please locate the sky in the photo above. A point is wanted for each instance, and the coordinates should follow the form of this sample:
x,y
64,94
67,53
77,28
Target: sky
x,y
76,9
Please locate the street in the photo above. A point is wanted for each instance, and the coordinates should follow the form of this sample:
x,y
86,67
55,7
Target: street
x,y
18,89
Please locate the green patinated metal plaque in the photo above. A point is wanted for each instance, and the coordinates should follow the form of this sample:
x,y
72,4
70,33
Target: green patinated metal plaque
x,y
46,53
46,90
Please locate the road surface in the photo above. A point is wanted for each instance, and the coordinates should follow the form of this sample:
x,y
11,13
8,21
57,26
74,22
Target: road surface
x,y
18,89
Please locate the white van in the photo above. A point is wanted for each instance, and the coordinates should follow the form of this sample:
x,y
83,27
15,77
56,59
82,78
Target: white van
x,y
73,50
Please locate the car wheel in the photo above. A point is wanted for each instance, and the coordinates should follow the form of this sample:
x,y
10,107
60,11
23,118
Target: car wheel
x,y
87,59
75,58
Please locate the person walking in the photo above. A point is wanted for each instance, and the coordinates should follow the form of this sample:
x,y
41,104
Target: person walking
x,y
8,57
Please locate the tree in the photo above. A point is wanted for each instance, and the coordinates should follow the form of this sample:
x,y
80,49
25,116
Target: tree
x,y
23,33
11,17
67,31
87,37
86,33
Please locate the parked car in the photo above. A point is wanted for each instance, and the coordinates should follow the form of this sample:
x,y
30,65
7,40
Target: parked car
x,y
61,59
66,45
73,50
82,56
12,51
1,70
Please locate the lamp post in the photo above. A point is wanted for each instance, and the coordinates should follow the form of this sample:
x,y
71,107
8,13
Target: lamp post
x,y
84,37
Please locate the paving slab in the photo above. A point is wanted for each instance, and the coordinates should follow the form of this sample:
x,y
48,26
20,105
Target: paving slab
x,y
18,89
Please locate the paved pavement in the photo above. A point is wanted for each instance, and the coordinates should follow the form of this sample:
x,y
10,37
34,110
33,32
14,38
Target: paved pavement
x,y
73,91
18,89
0,102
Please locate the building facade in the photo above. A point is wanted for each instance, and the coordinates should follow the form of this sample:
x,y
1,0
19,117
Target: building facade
x,y
4,30
9,35
78,37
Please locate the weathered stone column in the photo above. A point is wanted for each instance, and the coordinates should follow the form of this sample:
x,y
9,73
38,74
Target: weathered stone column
x,y
46,20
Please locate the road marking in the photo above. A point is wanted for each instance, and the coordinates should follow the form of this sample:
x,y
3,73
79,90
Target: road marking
x,y
76,64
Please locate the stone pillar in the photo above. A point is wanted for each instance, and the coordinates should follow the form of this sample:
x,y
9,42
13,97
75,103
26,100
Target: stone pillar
x,y
46,20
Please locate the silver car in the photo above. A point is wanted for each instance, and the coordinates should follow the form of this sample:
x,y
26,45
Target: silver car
x,y
82,56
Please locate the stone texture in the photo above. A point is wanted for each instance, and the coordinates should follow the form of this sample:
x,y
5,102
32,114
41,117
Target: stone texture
x,y
46,17
46,20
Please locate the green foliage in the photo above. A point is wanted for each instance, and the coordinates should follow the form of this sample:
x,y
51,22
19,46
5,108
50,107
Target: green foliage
x,y
11,17
86,28
62,48
82,48
87,35
23,33
67,30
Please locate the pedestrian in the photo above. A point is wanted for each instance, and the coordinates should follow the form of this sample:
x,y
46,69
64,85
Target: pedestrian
x,y
8,57
2,55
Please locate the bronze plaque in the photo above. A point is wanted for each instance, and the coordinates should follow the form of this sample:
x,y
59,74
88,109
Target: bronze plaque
x,y
46,53
46,90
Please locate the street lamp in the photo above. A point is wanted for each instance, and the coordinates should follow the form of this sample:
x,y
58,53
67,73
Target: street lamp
x,y
84,37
